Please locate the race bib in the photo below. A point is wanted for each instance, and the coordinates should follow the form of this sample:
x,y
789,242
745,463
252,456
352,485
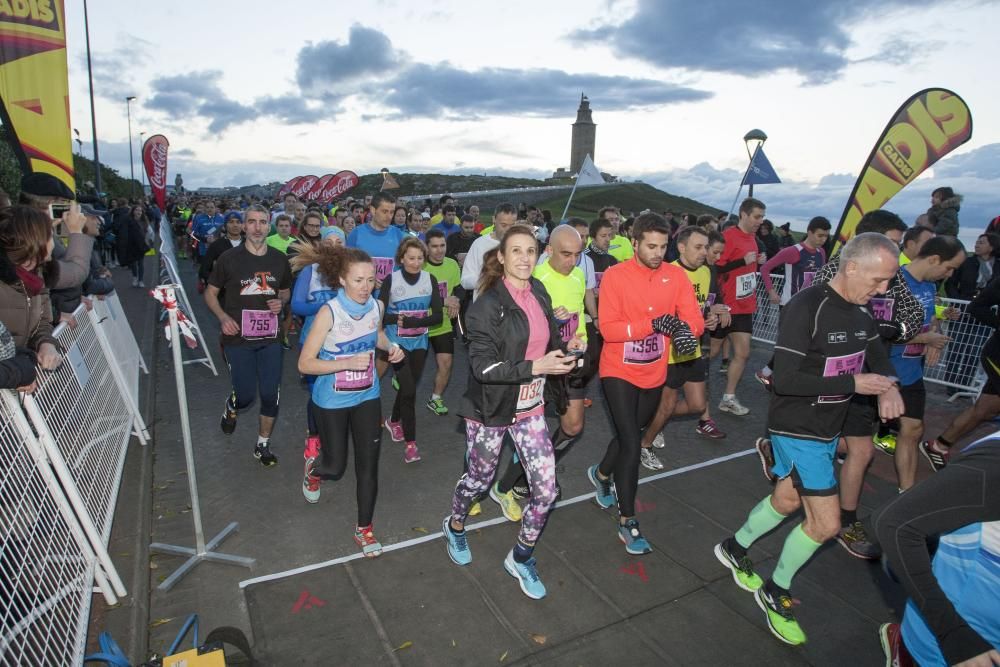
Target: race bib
x,y
259,324
443,289
746,285
882,308
567,328
348,381
807,279
530,395
644,351
598,277
383,267
916,350
709,302
404,332
848,364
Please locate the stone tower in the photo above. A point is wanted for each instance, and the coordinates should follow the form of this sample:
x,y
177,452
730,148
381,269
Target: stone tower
x,y
584,133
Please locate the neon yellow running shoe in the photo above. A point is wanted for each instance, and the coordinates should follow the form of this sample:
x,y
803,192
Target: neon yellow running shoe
x,y
507,504
885,444
780,617
475,509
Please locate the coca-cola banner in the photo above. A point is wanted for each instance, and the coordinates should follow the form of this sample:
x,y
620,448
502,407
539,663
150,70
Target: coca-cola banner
x,y
339,185
154,158
287,187
304,186
317,189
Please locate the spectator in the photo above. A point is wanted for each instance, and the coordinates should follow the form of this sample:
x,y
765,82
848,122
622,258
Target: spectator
x,y
131,243
977,270
766,235
784,234
17,364
943,213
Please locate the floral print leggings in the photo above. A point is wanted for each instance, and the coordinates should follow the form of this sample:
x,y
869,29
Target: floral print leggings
x,y
531,441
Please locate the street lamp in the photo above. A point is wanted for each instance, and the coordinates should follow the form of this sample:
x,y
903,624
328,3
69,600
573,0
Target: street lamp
x,y
131,163
750,137
142,167
79,141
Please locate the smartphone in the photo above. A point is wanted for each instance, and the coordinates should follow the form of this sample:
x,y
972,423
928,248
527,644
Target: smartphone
x,y
56,211
576,353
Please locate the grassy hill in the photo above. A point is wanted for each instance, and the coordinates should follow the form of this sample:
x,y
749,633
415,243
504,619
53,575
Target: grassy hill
x,y
629,197
416,184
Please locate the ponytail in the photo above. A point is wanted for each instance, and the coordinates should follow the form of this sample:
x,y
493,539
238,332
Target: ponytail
x,y
332,261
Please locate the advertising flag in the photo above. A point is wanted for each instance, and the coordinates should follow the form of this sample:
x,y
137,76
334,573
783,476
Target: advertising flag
x,y
389,182
760,171
34,86
287,187
928,126
154,159
339,185
589,173
304,185
317,189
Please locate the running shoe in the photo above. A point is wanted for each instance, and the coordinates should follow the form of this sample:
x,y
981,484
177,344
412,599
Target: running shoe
x,y
311,483
395,430
587,402
658,441
521,491
632,538
228,423
724,366
709,429
507,504
890,635
855,539
458,545
135,282
649,459
395,383
437,406
312,448
475,509
938,458
742,568
262,452
777,607
885,443
733,406
526,574
766,456
411,454
142,284
764,379
285,345
370,547
604,495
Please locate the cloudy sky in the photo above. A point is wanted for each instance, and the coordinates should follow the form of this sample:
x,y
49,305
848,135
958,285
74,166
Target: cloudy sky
x,y
250,91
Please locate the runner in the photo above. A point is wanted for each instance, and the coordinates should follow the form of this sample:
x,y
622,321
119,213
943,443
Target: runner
x,y
256,280
514,345
233,238
565,284
205,227
644,301
824,340
412,304
504,216
442,337
737,270
619,246
378,238
689,372
340,351
282,238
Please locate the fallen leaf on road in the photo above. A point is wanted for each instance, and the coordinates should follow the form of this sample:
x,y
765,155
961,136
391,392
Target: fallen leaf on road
x,y
160,621
406,644
419,529
504,656
538,639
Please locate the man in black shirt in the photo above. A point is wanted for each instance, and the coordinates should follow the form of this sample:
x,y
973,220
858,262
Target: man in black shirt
x,y
257,280
825,338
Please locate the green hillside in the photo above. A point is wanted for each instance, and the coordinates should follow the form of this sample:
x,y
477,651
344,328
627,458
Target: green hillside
x,y
629,197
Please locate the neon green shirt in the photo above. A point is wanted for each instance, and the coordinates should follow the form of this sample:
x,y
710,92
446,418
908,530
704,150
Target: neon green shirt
x,y
620,248
487,231
276,242
449,276
568,292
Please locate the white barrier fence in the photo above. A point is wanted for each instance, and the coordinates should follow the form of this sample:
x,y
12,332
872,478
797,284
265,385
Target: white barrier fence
x,y
63,449
171,275
959,366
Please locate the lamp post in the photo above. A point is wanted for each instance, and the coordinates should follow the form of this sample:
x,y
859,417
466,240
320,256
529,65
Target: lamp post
x,y
131,163
79,142
142,166
93,116
752,136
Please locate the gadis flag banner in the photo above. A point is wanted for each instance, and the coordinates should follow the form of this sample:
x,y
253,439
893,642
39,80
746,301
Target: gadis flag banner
x,y
34,86
154,160
928,126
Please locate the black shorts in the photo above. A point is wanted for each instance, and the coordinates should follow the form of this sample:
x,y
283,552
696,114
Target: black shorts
x,y
861,417
739,324
695,370
444,343
914,398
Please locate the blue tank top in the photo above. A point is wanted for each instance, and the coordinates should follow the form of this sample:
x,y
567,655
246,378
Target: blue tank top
x,y
347,337
413,301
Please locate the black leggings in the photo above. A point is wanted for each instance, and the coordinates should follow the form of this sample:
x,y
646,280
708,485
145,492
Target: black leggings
x,y
631,409
363,420
405,406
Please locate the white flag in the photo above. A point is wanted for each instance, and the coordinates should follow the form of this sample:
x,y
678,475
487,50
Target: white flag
x,y
589,174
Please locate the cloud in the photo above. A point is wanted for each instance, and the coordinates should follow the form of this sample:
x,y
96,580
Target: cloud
x,y
323,66
114,71
729,36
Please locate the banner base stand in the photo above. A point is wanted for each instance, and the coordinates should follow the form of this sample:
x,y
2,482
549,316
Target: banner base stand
x,y
195,557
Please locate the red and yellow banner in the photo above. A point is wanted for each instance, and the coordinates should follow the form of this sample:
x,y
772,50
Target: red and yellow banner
x,y
928,126
34,85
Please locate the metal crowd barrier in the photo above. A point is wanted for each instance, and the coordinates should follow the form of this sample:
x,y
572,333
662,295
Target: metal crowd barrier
x,y
170,274
958,368
111,318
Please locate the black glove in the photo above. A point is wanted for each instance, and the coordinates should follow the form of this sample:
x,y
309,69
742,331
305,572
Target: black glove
x,y
679,332
26,363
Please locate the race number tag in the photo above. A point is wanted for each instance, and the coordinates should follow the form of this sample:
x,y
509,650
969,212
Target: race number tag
x,y
567,328
848,364
746,285
259,324
404,332
644,351
529,396
443,289
807,279
383,267
598,277
916,350
709,302
882,308
355,380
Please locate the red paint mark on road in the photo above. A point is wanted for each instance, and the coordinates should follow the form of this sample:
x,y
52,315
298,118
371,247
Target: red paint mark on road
x,y
644,507
637,570
306,602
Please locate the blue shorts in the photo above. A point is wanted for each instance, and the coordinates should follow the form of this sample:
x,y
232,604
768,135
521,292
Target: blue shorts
x,y
809,462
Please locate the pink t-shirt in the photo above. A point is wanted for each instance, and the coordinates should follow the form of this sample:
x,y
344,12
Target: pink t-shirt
x,y
538,343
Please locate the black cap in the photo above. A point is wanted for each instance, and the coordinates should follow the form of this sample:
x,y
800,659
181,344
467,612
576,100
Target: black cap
x,y
46,185
787,227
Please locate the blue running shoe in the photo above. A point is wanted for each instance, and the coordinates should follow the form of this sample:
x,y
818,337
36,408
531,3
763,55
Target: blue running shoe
x,y
604,496
458,545
631,536
526,574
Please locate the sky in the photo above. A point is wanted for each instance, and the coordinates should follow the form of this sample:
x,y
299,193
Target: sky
x,y
250,91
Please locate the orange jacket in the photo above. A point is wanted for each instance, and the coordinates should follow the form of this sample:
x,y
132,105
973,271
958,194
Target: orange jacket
x,y
631,297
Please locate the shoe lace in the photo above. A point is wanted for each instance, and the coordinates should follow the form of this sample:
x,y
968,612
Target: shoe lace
x,y
529,569
857,532
782,604
461,542
745,565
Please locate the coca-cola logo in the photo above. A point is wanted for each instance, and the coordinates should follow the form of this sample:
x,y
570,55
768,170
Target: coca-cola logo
x,y
338,186
158,158
304,186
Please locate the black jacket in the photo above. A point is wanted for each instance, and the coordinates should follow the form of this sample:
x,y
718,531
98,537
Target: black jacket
x,y
213,253
498,339
962,284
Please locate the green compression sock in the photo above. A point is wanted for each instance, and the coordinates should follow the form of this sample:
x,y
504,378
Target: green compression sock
x,y
798,549
762,520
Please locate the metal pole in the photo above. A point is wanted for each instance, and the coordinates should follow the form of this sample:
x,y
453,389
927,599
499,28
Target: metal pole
x,y
142,167
93,116
572,192
131,163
